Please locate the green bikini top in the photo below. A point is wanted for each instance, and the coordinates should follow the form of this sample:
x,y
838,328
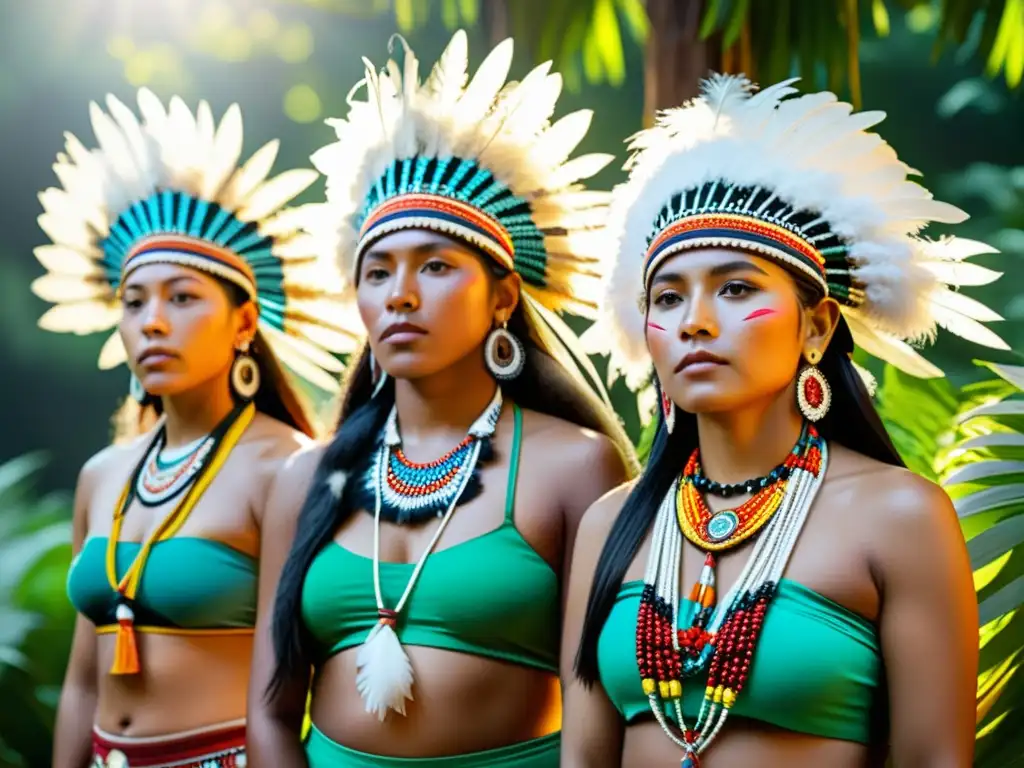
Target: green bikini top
x,y
188,584
817,669
491,596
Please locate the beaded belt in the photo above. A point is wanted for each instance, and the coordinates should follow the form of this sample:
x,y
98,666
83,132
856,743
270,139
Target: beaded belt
x,y
218,747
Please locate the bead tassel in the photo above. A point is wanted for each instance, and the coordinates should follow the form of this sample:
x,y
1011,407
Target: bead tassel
x,y
126,648
717,640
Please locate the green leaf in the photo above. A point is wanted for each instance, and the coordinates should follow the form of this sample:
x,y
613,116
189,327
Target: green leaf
x,y
405,15
996,541
736,20
450,13
880,17
635,16
608,42
1005,600
470,10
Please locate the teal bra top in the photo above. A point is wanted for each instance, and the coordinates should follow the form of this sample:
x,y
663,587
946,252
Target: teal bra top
x,y
817,669
188,583
491,596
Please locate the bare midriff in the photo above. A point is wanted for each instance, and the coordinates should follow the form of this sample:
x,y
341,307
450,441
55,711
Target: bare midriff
x,y
461,704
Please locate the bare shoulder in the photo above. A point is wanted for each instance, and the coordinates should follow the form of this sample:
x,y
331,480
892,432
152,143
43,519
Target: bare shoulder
x,y
599,518
274,439
896,504
113,458
570,446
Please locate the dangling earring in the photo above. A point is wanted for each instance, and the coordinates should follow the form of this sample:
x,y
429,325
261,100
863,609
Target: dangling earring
x,y
245,375
377,376
813,394
136,390
668,410
504,354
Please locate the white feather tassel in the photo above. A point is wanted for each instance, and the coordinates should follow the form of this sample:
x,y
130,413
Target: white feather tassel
x,y
384,672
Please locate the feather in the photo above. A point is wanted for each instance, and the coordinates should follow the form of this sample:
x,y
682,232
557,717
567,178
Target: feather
x,y
450,73
479,95
70,261
249,176
383,672
113,352
227,148
59,288
81,318
273,194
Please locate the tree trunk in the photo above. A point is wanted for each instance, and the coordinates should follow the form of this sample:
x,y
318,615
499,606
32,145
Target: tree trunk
x,y
496,19
675,59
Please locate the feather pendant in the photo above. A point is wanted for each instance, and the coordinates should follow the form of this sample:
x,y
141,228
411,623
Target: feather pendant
x,y
384,672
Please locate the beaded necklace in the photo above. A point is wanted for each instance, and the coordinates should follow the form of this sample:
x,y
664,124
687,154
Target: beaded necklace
x,y
412,492
719,639
224,437
166,474
384,675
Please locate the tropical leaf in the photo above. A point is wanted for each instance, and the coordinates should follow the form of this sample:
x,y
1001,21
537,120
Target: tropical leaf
x,y
36,620
983,471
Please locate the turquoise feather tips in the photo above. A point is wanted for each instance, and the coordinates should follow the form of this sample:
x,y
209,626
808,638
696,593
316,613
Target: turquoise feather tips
x,y
168,188
479,159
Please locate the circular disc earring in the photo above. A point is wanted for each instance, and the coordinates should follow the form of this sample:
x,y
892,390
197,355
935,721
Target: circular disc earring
x,y
136,390
504,354
813,393
245,375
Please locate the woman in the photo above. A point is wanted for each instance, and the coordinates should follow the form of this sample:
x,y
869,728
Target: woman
x,y
211,284
767,236
424,586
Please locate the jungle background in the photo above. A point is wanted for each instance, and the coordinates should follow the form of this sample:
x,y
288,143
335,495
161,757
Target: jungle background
x,y
948,73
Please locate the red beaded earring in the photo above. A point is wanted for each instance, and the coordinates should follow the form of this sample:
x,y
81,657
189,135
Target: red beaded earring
x,y
813,394
668,410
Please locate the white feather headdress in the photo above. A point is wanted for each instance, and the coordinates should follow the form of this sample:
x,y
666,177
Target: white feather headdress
x,y
479,159
802,181
168,189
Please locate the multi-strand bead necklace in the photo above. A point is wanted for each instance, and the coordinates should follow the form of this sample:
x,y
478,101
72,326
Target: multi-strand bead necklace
x,y
722,638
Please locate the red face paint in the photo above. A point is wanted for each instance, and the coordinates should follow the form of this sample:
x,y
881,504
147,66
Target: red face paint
x,y
655,326
759,313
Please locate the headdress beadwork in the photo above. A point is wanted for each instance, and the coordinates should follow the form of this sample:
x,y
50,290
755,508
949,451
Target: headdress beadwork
x,y
168,188
801,181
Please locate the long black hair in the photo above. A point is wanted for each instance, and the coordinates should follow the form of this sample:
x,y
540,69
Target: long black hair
x,y
543,386
851,421
276,396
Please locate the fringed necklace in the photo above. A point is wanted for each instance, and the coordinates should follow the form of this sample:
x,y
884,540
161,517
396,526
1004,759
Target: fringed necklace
x,y
384,675
411,492
719,639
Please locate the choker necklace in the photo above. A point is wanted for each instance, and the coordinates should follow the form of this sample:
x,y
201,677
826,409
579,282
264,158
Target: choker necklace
x,y
384,674
676,641
411,492
166,473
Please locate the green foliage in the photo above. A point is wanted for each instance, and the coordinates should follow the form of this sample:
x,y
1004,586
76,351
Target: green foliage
x,y
584,38
36,620
972,441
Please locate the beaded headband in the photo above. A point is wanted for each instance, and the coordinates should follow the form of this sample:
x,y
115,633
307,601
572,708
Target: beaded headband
x,y
480,162
167,189
799,181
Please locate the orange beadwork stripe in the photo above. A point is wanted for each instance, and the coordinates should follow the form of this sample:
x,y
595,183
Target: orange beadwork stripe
x,y
441,204
742,224
194,245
